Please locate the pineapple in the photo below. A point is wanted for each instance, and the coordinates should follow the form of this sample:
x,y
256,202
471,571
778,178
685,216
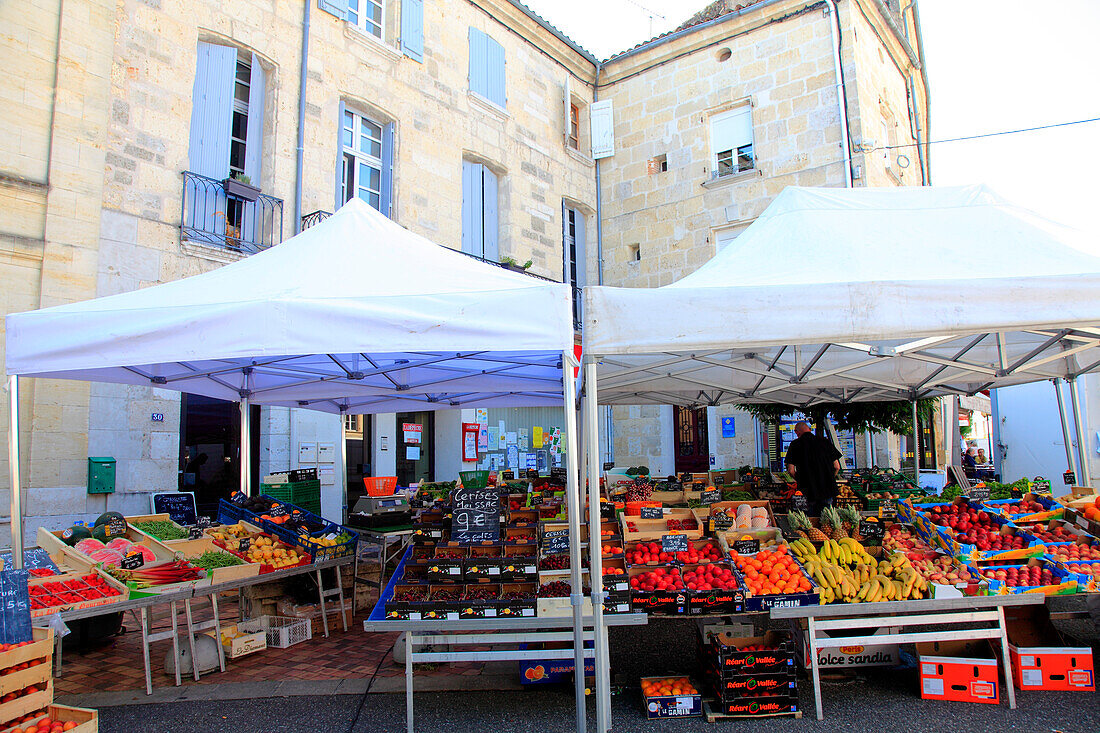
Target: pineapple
x,y
830,519
800,523
849,521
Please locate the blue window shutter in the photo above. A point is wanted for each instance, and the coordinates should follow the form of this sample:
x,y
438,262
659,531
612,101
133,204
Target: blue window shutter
x,y
329,6
386,202
578,236
494,54
479,80
471,208
412,29
254,140
564,242
490,226
212,110
339,196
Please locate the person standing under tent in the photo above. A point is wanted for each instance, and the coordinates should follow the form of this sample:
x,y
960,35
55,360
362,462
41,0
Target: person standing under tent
x,y
814,462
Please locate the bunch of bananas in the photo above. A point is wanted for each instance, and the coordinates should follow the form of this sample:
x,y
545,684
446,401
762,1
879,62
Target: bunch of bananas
x,y
846,573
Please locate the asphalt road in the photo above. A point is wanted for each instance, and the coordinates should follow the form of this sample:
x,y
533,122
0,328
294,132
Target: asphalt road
x,y
886,702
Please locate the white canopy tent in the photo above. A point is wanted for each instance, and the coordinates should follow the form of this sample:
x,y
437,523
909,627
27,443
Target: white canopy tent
x,y
354,315
835,295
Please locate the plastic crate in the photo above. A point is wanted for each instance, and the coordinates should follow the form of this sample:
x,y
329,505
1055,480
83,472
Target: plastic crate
x,y
281,631
474,479
380,485
298,492
230,513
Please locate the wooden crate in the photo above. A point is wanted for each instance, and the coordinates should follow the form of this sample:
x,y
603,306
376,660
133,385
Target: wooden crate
x,y
86,719
20,706
241,645
155,518
194,548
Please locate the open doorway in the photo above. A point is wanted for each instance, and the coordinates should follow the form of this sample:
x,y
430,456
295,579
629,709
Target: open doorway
x,y
692,440
415,447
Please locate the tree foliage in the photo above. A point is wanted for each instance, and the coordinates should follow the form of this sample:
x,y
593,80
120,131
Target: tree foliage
x,y
896,417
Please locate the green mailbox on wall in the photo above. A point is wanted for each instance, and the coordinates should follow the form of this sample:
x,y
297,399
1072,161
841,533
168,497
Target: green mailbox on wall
x,y
101,475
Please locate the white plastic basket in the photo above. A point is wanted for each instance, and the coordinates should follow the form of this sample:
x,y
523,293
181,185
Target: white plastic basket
x,y
282,631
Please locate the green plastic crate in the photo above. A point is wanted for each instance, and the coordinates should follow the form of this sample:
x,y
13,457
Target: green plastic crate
x,y
300,493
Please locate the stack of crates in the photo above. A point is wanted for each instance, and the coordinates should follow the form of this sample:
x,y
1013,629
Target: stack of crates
x,y
305,492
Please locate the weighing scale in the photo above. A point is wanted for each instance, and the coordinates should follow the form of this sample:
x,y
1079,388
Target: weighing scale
x,y
380,511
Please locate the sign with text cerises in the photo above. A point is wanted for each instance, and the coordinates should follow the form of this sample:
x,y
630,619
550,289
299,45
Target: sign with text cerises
x,y
475,514
178,505
555,542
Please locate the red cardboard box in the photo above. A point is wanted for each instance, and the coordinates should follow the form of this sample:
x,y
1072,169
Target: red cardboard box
x,y
970,678
1052,668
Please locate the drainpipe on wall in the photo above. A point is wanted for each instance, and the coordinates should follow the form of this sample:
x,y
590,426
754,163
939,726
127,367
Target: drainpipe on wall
x,y
841,100
609,447
298,162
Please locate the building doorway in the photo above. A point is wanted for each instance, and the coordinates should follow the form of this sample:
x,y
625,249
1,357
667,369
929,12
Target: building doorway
x,y
415,447
357,444
692,440
210,432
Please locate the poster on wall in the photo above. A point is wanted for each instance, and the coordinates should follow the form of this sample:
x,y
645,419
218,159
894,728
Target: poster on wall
x,y
536,437
502,434
412,453
510,438
496,461
483,438
494,438
411,433
543,461
729,427
481,416
521,438
513,456
530,460
470,431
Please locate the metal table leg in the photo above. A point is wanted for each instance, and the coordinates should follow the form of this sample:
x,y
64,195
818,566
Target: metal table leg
x,y
321,596
1004,657
57,654
191,638
409,682
812,633
340,596
175,647
355,579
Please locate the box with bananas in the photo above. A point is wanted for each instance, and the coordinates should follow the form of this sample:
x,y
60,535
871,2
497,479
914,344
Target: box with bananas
x,y
846,573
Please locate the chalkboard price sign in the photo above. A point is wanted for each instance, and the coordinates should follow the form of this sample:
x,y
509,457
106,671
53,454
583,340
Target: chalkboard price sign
x,y
475,515
746,547
15,606
178,505
33,559
719,479
238,498
116,527
652,512
887,508
698,485
532,473
800,503
609,465
244,544
674,543
556,542
1069,478
1015,493
508,475
978,493
277,511
711,496
557,474
871,530
133,561
1041,484
194,532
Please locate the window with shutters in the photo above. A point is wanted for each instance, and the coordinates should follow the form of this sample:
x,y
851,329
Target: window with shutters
x,y
480,225
731,142
362,141
574,127
486,67
368,16
226,142
573,250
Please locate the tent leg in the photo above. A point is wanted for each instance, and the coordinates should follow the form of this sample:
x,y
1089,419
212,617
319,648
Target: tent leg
x,y
1071,462
870,449
1082,442
13,473
246,448
344,486
916,443
572,498
595,562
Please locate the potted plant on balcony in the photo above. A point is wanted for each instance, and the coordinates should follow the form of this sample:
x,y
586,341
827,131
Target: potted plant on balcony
x,y
510,264
240,186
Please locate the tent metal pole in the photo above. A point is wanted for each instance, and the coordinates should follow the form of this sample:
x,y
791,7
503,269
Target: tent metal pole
x,y
1071,462
344,460
13,473
246,448
572,496
595,561
1085,476
916,443
870,449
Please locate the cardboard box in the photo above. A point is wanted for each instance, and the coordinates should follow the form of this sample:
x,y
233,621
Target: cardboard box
x,y
556,607
549,671
672,706
1039,658
1065,583
960,671
753,707
717,601
242,644
728,687
848,656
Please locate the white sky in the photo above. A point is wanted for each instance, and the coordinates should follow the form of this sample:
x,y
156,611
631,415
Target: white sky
x,y
992,65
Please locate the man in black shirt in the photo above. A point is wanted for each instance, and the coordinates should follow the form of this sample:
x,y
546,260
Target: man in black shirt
x,y
814,462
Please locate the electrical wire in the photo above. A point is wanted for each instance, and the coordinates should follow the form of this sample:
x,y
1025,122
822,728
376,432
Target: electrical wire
x,y
370,683
863,149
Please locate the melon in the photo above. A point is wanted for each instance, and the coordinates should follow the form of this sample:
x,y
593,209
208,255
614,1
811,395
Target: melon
x,y
100,533
146,553
120,543
75,534
89,545
107,557
107,517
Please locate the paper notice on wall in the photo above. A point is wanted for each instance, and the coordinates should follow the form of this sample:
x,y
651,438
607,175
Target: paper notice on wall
x,y
483,438
536,437
521,438
494,438
481,416
327,475
496,461
483,463
411,433
531,460
412,453
510,438
469,447
513,456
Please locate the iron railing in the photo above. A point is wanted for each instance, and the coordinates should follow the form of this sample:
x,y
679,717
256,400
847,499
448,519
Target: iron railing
x,y
210,216
315,218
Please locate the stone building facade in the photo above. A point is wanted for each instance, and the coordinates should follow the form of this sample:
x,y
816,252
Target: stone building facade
x,y
466,121
712,121
110,102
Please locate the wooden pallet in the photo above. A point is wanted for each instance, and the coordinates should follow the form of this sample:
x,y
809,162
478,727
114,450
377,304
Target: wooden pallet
x,y
713,716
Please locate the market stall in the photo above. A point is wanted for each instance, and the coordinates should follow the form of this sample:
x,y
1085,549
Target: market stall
x,y
355,315
840,295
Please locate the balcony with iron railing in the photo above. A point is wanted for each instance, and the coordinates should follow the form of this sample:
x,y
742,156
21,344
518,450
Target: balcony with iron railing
x,y
229,214
315,217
